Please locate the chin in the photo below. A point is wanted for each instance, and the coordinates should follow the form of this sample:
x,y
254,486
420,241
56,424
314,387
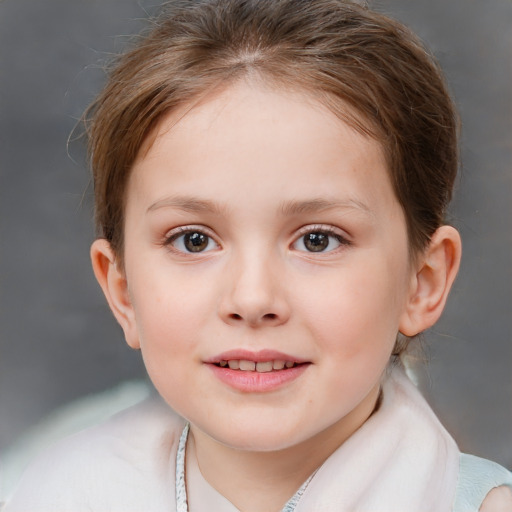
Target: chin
x,y
248,436
259,442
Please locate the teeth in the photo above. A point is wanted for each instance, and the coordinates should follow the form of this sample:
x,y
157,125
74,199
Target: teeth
x,y
267,366
247,365
251,366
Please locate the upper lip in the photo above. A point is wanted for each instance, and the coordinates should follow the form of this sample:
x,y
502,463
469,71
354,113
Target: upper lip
x,y
256,356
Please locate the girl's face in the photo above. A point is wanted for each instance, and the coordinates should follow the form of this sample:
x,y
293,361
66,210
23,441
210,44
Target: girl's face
x,y
261,233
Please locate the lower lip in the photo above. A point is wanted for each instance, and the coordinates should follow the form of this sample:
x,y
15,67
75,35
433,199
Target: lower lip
x,y
257,382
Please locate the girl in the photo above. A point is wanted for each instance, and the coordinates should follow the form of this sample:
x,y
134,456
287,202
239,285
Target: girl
x,y
271,179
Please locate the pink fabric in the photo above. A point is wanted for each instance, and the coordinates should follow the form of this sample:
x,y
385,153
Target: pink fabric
x,y
400,460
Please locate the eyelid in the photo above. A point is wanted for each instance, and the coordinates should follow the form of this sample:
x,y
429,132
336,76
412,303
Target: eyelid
x,y
171,235
324,228
342,236
179,230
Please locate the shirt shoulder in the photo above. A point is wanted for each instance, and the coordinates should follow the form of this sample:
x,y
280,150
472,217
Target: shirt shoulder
x,y
124,464
477,478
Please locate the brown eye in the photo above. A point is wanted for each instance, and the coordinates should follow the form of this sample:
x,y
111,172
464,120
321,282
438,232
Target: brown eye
x,y
191,241
316,242
320,240
195,242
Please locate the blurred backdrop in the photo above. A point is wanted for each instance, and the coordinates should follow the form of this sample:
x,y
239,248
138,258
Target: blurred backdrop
x,y
58,340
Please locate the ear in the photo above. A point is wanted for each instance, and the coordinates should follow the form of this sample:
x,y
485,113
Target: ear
x,y
113,282
434,274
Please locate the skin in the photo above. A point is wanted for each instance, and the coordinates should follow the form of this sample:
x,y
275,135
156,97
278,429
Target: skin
x,y
498,500
255,169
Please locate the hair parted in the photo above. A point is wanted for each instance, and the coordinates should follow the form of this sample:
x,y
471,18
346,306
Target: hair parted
x,y
366,68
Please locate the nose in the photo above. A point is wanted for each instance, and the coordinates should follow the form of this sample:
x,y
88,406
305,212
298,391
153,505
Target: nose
x,y
254,293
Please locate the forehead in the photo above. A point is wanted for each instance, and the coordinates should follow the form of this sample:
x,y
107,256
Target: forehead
x,y
253,139
257,95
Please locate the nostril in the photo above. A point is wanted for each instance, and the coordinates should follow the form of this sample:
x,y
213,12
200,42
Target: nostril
x,y
270,316
235,316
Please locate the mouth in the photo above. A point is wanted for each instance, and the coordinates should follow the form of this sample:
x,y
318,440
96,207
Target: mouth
x,y
246,365
257,372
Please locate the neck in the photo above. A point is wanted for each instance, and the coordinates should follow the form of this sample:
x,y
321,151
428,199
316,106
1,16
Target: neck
x,y
255,481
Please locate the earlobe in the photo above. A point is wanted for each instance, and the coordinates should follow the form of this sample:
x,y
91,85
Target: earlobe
x,y
431,283
113,282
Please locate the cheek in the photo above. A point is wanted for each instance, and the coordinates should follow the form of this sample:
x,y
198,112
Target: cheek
x,y
170,310
168,319
355,312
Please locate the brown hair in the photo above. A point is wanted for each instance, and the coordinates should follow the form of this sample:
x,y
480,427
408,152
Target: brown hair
x,y
343,53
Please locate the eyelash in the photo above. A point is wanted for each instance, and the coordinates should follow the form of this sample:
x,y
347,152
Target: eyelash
x,y
331,232
175,234
182,231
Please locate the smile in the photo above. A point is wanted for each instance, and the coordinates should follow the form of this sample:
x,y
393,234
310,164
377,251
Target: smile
x,y
256,366
257,372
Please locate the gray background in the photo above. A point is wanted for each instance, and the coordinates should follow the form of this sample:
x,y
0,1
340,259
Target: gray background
x,y
57,338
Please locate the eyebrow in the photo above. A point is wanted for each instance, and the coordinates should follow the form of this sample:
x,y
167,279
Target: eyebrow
x,y
287,208
320,204
189,204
